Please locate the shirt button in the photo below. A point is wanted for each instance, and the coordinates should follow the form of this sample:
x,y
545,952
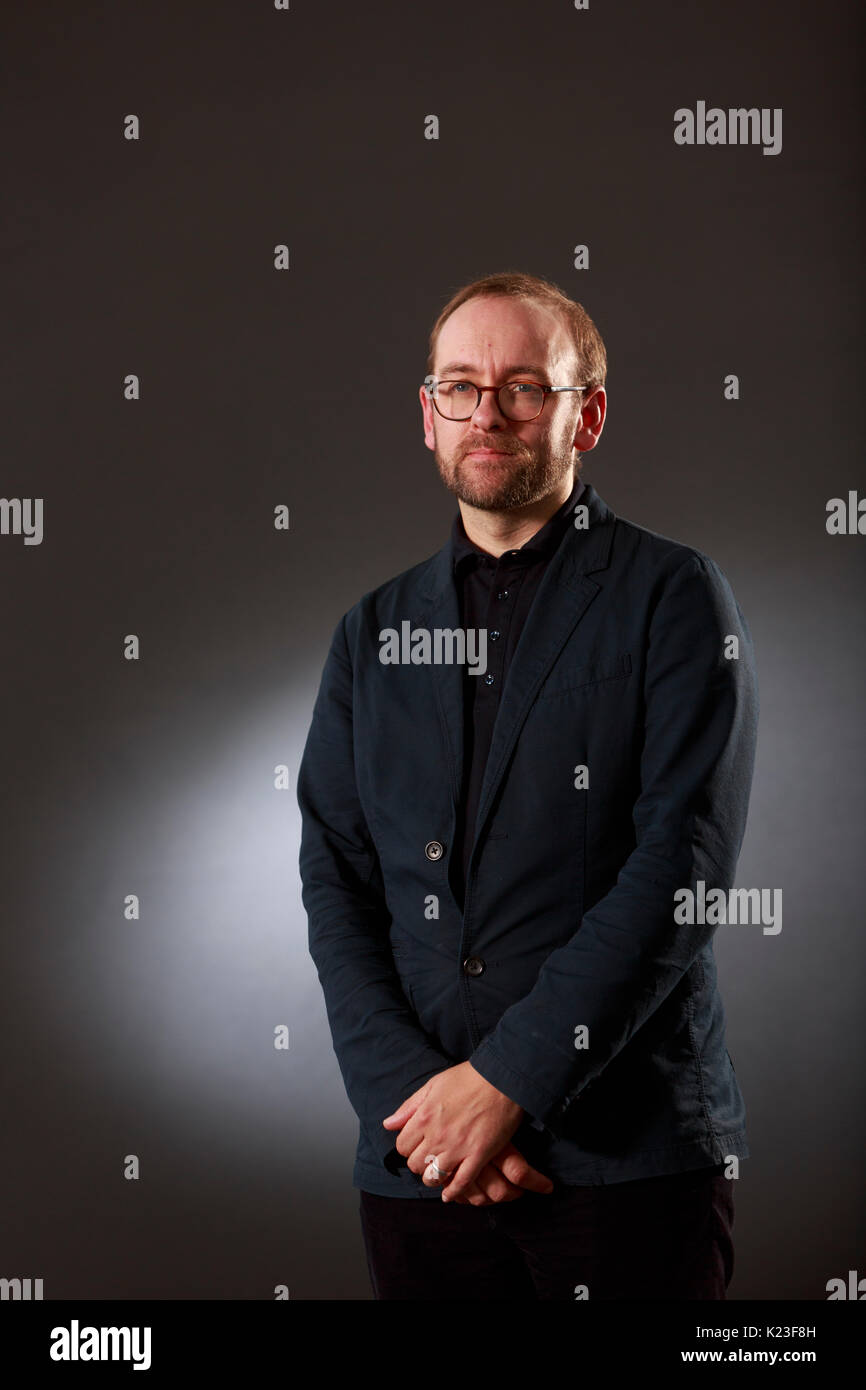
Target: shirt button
x,y
489,678
434,850
503,593
473,965
495,635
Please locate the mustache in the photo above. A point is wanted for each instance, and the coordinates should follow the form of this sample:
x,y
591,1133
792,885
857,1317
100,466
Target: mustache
x,y
499,444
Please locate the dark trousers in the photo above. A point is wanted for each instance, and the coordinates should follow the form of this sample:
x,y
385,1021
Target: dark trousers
x,y
654,1238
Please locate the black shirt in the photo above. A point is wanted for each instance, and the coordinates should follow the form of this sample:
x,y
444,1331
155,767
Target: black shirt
x,y
495,594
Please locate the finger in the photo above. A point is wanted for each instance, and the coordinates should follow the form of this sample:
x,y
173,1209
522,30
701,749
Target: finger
x,y
411,1137
495,1186
515,1167
466,1173
419,1161
406,1111
473,1197
429,1175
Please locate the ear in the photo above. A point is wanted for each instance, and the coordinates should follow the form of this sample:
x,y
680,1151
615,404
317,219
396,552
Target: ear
x,y
592,418
428,412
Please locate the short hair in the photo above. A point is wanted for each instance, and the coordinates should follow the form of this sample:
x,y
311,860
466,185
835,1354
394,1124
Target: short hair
x,y
585,337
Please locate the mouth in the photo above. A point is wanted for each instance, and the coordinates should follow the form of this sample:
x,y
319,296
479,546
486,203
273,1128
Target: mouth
x,y
487,454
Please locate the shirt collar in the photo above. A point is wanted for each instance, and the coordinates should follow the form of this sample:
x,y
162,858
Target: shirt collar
x,y
541,545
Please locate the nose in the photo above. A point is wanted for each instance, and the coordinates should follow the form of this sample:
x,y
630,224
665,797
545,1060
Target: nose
x,y
487,414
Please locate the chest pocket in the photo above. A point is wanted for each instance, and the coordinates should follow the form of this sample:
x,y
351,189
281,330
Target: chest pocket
x,y
566,678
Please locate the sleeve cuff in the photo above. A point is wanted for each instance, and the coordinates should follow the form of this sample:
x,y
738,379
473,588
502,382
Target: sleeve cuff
x,y
544,1111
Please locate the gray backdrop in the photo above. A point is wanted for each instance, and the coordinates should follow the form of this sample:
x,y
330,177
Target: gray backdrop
x,y
155,257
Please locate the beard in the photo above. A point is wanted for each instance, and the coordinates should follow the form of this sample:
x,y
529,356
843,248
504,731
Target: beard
x,y
516,478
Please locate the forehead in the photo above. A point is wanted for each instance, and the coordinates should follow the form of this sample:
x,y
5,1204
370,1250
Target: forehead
x,y
496,332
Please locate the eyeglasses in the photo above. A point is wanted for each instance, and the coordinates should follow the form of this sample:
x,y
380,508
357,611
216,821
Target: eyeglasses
x,y
518,400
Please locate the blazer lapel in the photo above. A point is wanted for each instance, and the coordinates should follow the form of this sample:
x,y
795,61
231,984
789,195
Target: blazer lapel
x,y
563,597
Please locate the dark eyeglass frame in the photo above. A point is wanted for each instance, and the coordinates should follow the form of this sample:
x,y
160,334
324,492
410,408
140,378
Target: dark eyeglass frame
x,y
431,385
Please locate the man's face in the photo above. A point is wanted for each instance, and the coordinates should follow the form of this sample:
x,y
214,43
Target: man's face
x,y
489,461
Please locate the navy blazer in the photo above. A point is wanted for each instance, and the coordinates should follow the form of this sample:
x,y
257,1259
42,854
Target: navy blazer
x,y
624,668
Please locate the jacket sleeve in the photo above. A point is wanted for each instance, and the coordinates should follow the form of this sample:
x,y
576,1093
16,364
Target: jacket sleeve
x,y
383,1053
628,952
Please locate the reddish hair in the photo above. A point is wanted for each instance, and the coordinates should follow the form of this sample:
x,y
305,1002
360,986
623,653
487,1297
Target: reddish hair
x,y
591,355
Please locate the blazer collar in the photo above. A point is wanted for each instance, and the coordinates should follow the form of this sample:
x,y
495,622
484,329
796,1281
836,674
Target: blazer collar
x,y
578,552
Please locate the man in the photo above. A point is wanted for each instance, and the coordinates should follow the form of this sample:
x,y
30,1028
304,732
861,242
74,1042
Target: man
x,y
532,1039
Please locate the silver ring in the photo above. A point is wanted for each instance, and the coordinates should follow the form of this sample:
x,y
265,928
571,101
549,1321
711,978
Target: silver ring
x,y
438,1172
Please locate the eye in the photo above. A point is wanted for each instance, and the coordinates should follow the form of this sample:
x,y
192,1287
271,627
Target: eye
x,y
452,388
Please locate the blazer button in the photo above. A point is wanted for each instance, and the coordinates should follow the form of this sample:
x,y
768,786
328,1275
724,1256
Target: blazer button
x,y
473,965
434,850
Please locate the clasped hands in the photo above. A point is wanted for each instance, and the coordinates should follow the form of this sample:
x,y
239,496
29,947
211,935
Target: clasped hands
x,y
466,1123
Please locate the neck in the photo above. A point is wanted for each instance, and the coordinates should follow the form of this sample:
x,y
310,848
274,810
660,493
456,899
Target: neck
x,y
496,532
